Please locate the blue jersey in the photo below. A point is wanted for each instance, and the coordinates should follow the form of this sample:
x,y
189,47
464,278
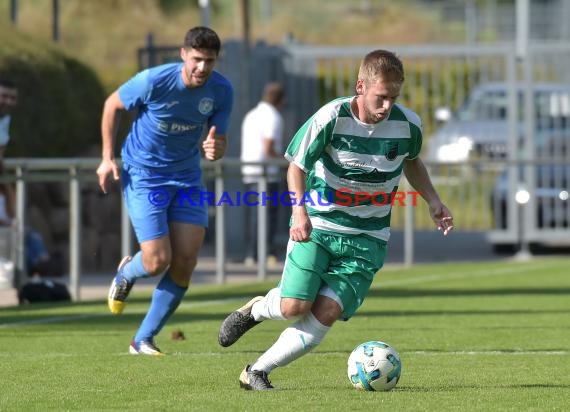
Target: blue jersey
x,y
171,118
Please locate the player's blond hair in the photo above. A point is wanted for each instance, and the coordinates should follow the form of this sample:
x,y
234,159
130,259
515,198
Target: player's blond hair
x,y
381,64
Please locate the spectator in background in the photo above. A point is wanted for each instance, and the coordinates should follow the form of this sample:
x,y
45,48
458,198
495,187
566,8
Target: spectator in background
x,y
38,259
40,264
7,205
262,139
8,101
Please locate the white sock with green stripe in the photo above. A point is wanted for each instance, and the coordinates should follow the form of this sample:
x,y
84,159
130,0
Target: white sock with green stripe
x,y
269,307
295,341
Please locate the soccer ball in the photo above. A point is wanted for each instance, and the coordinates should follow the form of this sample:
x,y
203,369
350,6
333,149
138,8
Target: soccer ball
x,y
374,366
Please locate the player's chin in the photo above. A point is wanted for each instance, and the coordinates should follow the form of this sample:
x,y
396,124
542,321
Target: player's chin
x,y
199,81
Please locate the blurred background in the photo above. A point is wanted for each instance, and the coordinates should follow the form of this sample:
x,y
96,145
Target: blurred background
x,y
489,79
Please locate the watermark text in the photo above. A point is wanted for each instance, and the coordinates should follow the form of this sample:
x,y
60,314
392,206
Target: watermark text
x,y
342,197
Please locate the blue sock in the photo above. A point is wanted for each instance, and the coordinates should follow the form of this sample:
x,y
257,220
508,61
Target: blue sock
x,y
165,299
134,269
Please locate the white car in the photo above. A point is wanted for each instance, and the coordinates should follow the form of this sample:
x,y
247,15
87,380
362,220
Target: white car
x,y
479,129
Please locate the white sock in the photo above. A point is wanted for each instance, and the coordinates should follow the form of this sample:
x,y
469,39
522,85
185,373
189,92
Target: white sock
x,y
269,307
295,341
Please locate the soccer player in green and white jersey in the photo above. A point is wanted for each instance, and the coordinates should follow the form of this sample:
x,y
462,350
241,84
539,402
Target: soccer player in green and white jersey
x,y
345,163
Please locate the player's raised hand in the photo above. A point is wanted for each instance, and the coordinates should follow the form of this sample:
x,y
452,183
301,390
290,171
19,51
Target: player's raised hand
x,y
107,168
214,146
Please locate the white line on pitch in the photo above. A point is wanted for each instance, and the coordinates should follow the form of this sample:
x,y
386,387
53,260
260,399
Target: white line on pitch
x,y
489,352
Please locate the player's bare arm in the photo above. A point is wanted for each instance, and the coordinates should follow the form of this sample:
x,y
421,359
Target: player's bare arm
x,y
109,123
301,227
417,175
269,148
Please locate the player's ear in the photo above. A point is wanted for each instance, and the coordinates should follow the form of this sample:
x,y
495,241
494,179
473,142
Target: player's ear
x,y
359,87
183,54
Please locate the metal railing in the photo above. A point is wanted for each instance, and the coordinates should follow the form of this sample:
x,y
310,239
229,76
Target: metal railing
x,y
468,188
77,171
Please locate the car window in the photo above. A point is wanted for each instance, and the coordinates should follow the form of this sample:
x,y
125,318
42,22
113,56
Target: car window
x,y
492,105
485,105
552,104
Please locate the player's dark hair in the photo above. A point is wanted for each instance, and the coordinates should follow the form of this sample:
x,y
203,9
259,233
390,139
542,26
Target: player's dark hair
x,y
273,93
202,38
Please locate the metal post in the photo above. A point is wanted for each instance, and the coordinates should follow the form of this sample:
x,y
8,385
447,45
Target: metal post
x,y
265,9
220,226
262,228
14,11
522,28
151,50
408,230
126,233
205,6
470,22
522,197
74,233
513,141
21,269
246,54
527,223
55,20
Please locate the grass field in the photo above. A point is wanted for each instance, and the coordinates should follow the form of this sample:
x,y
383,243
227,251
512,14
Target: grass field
x,y
489,336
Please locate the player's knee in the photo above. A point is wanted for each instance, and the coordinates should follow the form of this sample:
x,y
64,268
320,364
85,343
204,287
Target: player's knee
x,y
292,308
156,265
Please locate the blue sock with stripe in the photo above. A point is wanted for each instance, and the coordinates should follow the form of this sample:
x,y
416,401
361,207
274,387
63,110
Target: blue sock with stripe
x,y
165,299
134,269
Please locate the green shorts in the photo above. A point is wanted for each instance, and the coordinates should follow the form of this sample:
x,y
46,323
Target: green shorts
x,y
346,264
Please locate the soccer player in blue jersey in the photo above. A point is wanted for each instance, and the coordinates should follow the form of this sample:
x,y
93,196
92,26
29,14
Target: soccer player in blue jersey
x,y
353,146
176,105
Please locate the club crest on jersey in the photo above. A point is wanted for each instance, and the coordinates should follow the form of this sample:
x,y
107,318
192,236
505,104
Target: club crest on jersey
x,y
392,152
206,105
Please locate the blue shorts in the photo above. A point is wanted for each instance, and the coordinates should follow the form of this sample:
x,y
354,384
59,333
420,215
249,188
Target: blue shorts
x,y
153,200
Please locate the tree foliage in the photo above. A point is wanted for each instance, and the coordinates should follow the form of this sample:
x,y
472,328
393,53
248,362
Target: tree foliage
x,y
60,99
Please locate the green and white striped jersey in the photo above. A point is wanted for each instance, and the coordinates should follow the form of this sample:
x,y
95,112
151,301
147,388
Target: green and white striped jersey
x,y
345,159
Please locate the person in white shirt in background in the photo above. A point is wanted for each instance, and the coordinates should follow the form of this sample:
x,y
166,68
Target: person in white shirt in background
x,y
8,101
262,139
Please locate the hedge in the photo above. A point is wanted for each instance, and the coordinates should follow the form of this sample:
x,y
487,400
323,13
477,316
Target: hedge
x,y
60,99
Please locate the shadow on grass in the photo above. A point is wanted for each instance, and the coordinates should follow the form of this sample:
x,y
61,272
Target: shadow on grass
x,y
82,314
96,311
452,388
404,313
413,293
99,318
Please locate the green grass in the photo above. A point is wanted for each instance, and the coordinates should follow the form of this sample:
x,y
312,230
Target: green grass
x,y
490,336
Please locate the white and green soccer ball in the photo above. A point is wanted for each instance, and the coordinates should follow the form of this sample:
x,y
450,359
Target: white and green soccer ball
x,y
374,366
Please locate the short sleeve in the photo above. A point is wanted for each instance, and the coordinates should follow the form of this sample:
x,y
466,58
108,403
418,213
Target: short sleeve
x,y
136,91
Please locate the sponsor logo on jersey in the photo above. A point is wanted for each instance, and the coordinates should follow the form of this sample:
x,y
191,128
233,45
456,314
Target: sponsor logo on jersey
x,y
206,105
171,104
392,152
166,127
